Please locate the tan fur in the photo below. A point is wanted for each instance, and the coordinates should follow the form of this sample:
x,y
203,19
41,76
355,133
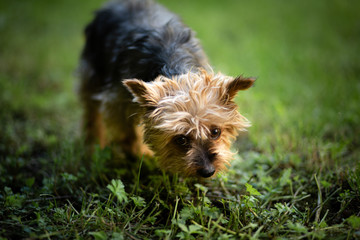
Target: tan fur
x,y
190,104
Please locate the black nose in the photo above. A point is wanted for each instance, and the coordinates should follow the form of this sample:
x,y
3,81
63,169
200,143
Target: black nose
x,y
207,171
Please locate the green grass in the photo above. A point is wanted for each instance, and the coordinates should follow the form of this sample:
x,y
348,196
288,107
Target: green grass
x,y
297,174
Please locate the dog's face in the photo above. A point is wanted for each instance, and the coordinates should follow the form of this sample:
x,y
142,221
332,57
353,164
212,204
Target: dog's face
x,y
190,120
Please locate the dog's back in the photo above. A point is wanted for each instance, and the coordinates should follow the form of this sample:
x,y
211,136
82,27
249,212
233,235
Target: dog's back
x,y
138,39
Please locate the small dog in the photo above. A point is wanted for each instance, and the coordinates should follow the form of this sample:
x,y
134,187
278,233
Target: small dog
x,y
146,79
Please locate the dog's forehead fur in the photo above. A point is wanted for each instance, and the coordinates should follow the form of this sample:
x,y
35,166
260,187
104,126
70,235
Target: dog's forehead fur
x,y
194,103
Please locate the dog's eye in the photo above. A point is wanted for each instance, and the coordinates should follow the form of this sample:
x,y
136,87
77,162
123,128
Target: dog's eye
x,y
182,140
215,133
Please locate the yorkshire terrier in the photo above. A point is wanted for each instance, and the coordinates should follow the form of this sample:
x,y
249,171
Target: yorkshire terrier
x,y
147,89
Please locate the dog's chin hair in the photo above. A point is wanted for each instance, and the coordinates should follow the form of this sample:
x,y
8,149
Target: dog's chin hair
x,y
184,162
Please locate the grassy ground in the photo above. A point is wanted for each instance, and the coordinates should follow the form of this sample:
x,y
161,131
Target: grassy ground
x,y
297,174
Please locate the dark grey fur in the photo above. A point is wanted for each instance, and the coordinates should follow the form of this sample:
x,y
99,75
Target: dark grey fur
x,y
137,39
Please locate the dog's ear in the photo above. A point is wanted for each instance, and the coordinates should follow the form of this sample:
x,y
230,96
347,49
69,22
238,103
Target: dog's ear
x,y
144,93
239,83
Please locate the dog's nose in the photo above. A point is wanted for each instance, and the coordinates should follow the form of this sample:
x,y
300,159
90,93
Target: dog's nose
x,y
206,171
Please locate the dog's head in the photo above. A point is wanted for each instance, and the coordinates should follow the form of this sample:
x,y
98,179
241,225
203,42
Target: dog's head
x,y
190,120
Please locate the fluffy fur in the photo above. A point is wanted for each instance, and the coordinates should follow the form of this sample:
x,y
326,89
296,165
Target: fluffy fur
x,y
145,79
